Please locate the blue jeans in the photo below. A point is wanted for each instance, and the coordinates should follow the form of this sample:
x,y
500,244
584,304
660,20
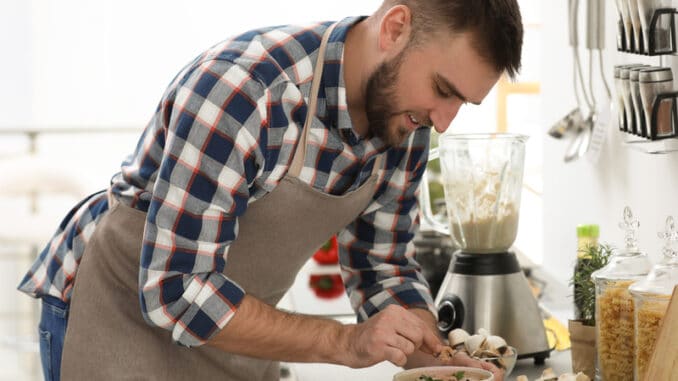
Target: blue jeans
x,y
52,330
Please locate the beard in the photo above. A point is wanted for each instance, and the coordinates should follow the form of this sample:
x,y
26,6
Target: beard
x,y
380,103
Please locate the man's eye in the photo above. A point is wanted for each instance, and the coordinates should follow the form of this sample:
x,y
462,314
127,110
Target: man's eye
x,y
442,93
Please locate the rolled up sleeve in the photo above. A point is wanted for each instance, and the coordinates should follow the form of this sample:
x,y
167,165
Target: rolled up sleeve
x,y
214,119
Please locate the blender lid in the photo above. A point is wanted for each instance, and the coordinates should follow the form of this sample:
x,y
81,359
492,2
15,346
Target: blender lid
x,y
664,276
630,262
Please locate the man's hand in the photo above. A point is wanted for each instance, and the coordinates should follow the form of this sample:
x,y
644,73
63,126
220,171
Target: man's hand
x,y
392,335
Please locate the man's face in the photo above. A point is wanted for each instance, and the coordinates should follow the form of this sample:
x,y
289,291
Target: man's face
x,y
425,86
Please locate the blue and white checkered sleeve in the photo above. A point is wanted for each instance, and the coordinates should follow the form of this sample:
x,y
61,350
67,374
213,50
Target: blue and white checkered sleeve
x,y
377,253
212,152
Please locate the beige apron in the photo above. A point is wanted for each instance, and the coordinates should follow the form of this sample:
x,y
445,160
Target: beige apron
x,y
107,338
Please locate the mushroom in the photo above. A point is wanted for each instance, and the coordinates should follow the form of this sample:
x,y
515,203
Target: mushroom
x,y
496,343
457,337
474,343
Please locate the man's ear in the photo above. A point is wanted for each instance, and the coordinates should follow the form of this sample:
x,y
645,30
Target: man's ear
x,y
394,30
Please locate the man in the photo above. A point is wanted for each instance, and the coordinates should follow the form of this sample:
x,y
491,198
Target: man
x,y
261,149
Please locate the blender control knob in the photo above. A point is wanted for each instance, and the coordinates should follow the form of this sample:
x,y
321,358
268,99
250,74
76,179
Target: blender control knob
x,y
450,313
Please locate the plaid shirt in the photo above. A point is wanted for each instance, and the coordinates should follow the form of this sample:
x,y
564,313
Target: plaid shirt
x,y
222,137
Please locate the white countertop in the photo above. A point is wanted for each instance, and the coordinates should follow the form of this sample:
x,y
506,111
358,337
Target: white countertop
x,y
301,299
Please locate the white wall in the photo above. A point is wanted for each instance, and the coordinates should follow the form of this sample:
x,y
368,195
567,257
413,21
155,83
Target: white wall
x,y
582,192
107,62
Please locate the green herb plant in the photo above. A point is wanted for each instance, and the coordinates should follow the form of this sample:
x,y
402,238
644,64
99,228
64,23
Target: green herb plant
x,y
594,258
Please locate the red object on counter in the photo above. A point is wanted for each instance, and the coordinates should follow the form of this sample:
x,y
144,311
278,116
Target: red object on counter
x,y
328,254
327,286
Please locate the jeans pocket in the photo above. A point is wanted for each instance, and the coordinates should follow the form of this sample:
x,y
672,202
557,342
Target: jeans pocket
x,y
46,354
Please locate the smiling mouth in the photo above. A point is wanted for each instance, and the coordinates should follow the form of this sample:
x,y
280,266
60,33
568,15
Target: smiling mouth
x,y
413,119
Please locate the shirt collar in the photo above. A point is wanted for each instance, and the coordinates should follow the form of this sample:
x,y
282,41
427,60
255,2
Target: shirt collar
x,y
335,87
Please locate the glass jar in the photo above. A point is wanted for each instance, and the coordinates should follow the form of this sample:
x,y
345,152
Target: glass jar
x,y
651,297
651,83
614,306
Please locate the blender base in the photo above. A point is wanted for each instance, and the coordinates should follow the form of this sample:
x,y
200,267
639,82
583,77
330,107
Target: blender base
x,y
490,291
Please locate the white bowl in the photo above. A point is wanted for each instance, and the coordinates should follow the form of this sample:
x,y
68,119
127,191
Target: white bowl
x,y
472,374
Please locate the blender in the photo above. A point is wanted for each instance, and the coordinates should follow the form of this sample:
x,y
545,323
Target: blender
x,y
485,287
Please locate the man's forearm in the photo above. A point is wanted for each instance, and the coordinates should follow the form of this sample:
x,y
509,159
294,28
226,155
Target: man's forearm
x,y
261,331
393,334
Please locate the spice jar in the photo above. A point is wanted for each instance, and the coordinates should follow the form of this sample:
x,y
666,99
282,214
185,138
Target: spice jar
x,y
657,40
639,112
626,96
618,99
634,15
614,306
652,82
651,297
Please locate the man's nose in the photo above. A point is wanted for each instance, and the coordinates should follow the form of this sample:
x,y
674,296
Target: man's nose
x,y
443,115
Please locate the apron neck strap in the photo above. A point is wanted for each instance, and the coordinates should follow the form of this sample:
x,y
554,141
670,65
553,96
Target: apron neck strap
x,y
300,153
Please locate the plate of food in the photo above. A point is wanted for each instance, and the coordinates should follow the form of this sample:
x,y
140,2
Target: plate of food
x,y
444,373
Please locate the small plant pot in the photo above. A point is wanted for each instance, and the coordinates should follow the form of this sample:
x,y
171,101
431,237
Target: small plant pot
x,y
583,350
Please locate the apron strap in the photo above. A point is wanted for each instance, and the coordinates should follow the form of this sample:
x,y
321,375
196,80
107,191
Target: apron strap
x,y
300,153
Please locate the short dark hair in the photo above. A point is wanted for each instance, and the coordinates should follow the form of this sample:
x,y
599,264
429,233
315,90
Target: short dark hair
x,y
495,25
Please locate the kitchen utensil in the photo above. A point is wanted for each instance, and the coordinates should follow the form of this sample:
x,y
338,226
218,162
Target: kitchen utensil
x,y
443,372
485,286
568,125
653,82
580,144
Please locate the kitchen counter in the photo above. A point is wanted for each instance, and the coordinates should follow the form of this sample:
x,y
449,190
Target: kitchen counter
x,y
559,362
555,300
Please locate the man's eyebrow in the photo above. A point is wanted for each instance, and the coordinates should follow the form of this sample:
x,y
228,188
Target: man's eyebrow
x,y
452,89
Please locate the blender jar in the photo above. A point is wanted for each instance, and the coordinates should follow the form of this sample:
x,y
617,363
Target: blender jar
x,y
483,177
651,297
614,306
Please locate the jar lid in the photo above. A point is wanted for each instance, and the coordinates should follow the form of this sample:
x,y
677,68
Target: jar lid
x,y
590,231
655,74
624,71
618,68
629,263
663,277
634,71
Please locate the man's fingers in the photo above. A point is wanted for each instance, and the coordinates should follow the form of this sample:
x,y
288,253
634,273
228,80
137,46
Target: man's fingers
x,y
403,344
431,343
396,356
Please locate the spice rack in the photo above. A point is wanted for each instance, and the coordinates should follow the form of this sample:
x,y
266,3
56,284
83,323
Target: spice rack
x,y
664,119
654,48
660,135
